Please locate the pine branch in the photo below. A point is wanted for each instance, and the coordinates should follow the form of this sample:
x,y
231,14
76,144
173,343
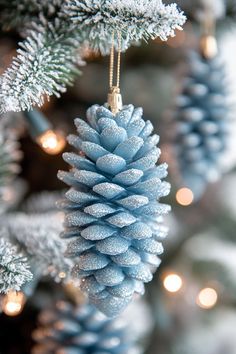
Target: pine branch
x,y
136,20
9,167
9,157
46,61
39,235
45,65
42,202
14,266
16,14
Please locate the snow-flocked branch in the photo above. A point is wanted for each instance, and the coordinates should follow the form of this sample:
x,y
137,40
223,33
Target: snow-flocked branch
x,y
47,60
135,19
10,155
44,66
39,236
20,14
14,266
42,202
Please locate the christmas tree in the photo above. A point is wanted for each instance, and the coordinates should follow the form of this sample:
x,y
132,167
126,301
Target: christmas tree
x,y
76,251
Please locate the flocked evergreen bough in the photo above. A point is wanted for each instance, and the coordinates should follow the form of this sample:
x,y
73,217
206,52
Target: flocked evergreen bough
x,y
14,266
46,64
10,156
38,237
202,119
30,245
47,58
113,209
136,20
30,248
20,14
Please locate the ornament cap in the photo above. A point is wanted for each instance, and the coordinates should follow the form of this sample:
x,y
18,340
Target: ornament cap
x,y
115,100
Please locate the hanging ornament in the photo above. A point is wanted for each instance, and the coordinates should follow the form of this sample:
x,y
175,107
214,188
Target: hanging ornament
x,y
202,117
113,209
81,330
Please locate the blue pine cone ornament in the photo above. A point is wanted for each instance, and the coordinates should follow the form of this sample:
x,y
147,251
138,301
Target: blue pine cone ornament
x,y
81,329
112,209
203,120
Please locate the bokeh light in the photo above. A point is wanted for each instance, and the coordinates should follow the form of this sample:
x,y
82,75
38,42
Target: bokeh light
x,y
52,142
207,298
185,196
13,303
173,283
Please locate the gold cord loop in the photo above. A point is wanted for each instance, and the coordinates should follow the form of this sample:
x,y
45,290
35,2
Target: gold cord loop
x,y
114,96
112,61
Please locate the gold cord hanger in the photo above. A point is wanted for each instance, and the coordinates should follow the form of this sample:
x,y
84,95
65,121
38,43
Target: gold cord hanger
x,y
114,96
208,43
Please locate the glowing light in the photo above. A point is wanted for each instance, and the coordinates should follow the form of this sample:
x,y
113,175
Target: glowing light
x,y
207,298
62,275
173,283
52,142
13,303
185,196
209,46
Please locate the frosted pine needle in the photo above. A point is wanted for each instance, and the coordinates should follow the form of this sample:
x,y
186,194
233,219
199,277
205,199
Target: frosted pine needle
x,y
42,202
14,267
39,236
9,167
44,66
136,19
20,14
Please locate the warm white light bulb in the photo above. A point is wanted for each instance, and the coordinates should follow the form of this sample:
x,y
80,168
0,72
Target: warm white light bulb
x,y
62,275
207,298
51,142
173,283
13,303
185,196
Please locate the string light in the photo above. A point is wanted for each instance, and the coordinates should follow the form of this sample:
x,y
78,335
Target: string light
x,y
185,196
51,142
207,298
173,283
13,303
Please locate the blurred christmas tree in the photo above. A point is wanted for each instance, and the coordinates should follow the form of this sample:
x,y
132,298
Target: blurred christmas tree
x,y
189,307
